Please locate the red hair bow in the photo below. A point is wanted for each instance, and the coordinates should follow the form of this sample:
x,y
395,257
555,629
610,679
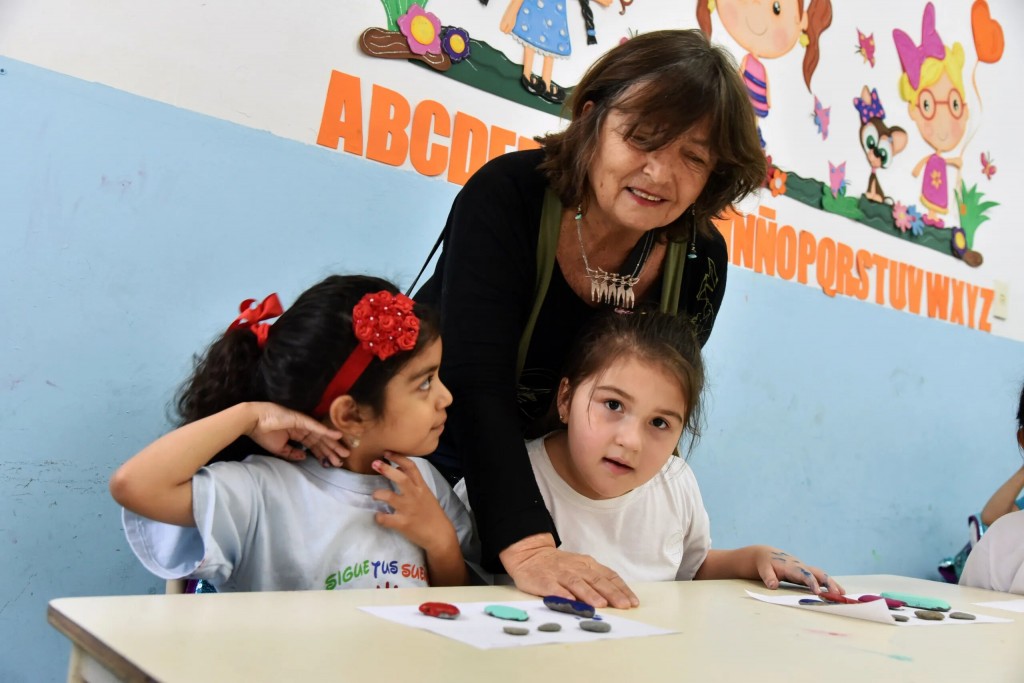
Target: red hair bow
x,y
253,317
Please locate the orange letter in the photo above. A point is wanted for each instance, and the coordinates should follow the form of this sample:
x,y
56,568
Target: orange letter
x,y
957,314
389,117
972,301
987,297
827,266
469,148
528,143
785,252
808,248
743,241
938,296
429,112
343,98
844,269
764,244
881,265
914,279
500,140
724,225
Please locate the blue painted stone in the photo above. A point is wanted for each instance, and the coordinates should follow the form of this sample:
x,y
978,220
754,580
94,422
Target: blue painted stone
x,y
575,607
505,612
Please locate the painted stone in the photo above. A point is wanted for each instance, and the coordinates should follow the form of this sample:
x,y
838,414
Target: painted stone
x,y
901,617
441,610
929,615
889,602
811,601
574,607
551,628
595,626
505,612
962,615
836,598
516,630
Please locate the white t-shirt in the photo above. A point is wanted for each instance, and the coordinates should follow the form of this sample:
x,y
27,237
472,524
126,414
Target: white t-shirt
x,y
657,532
997,560
265,524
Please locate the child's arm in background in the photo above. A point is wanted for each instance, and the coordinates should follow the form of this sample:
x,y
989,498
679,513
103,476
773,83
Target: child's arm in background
x,y
1004,500
766,563
420,518
157,482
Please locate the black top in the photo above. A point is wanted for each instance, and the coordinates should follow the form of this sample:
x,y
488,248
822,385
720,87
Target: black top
x,y
484,287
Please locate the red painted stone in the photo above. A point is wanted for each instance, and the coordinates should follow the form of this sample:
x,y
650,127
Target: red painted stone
x,y
837,598
441,610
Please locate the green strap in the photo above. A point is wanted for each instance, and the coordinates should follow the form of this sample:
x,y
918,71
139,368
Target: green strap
x,y
672,277
547,245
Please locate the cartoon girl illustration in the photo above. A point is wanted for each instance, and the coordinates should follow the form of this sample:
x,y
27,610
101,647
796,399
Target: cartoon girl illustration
x,y
542,27
768,30
932,84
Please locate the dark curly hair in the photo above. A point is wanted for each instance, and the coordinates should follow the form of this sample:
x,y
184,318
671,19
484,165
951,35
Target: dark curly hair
x,y
305,348
684,81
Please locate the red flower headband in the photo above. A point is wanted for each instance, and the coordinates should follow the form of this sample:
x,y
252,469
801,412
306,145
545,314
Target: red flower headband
x,y
384,324
253,317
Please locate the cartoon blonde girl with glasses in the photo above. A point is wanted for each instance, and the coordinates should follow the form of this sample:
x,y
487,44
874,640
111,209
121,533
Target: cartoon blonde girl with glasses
x,y
933,84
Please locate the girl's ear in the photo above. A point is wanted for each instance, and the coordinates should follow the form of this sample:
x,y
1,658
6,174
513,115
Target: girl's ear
x,y
564,399
347,416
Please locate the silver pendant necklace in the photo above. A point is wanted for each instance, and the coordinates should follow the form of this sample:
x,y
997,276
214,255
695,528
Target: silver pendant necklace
x,y
613,288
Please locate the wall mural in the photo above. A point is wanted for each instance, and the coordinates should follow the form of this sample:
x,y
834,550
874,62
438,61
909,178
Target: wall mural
x,y
886,141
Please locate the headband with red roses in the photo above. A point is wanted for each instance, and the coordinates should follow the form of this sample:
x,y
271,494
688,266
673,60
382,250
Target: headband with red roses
x,y
384,324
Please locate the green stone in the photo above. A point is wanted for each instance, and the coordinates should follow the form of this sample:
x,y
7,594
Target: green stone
x,y
505,612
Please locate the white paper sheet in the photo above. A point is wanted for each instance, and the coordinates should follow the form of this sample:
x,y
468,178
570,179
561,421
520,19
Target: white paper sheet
x,y
480,630
873,611
1008,605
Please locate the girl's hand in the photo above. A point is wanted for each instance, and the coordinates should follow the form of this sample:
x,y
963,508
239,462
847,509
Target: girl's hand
x,y
277,428
774,565
417,514
539,568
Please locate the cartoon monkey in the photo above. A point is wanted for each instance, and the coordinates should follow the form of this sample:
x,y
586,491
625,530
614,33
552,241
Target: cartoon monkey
x,y
879,141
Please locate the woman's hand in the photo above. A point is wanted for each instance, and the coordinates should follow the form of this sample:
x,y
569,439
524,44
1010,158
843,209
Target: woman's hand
x,y
539,568
773,565
276,428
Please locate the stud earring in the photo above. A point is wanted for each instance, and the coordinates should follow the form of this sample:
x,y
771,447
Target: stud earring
x,y
561,417
805,40
353,442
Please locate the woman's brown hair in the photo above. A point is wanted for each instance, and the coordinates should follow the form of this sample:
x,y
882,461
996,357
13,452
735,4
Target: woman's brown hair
x,y
683,81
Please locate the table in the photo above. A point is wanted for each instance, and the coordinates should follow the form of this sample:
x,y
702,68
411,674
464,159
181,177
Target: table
x,y
723,636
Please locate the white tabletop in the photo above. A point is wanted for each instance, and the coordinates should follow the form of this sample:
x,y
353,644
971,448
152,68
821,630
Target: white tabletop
x,y
723,635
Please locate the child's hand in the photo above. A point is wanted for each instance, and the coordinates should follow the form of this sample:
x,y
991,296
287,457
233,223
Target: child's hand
x,y
275,428
417,514
774,565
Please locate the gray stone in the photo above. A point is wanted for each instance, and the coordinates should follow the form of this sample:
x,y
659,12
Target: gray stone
x,y
929,615
901,617
595,626
962,615
516,630
552,627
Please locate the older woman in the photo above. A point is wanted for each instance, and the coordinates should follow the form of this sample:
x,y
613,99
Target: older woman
x,y
616,209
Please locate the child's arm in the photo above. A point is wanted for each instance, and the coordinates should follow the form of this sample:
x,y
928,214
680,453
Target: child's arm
x,y
766,563
419,517
1004,500
157,482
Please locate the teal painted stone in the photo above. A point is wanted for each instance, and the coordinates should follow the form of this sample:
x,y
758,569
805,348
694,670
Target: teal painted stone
x,y
505,612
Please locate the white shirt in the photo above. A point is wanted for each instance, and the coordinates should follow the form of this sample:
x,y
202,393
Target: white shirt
x,y
657,532
267,524
997,560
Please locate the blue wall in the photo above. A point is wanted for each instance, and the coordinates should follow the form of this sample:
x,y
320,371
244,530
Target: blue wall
x,y
857,437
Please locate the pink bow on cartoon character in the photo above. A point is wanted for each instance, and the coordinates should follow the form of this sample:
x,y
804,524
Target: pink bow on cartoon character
x,y
912,56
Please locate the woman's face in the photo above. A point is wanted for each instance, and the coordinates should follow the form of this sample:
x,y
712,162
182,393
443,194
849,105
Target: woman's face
x,y
634,189
765,28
